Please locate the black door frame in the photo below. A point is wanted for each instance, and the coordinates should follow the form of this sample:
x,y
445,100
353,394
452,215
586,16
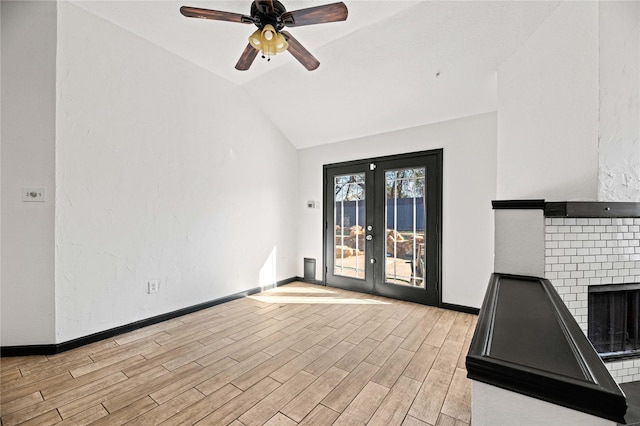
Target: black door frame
x,y
434,214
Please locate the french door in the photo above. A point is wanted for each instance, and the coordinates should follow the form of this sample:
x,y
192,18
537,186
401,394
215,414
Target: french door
x,y
383,221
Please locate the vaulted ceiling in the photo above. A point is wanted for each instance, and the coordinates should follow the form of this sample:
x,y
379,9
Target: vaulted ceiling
x,y
390,65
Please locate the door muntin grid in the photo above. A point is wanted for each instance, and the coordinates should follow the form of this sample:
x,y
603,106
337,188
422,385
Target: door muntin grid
x,y
405,219
349,231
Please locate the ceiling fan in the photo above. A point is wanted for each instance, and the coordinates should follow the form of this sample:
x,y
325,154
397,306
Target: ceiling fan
x,y
270,16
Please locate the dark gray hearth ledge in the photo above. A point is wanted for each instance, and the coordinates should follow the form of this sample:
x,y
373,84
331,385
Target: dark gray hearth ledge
x,y
583,209
527,341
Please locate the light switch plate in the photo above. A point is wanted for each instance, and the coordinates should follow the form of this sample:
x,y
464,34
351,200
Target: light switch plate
x,y
34,193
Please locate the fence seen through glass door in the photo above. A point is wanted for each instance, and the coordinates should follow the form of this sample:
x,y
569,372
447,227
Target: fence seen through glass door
x,y
405,260
350,218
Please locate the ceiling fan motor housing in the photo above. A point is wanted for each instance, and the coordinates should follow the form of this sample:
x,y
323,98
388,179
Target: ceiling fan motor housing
x,y
264,14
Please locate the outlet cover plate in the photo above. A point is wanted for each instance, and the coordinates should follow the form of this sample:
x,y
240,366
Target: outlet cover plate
x,y
34,193
153,286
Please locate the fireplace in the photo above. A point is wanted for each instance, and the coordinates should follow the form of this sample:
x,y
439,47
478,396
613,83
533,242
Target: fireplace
x,y
590,252
614,323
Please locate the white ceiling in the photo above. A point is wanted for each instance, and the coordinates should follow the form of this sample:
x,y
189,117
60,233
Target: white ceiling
x,y
390,65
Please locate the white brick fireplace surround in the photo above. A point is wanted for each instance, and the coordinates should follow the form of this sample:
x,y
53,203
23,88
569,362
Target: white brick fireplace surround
x,y
584,244
580,252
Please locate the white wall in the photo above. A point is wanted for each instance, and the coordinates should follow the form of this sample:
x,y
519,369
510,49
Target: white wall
x,y
619,118
164,171
469,182
492,406
28,134
548,110
519,242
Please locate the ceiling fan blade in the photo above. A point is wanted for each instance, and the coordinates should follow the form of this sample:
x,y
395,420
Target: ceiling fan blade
x,y
300,53
247,57
316,15
217,15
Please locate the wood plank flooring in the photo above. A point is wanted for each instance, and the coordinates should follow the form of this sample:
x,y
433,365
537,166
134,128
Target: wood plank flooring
x,y
297,354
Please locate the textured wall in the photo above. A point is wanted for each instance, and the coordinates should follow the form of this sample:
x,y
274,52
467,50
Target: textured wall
x,y
619,119
164,171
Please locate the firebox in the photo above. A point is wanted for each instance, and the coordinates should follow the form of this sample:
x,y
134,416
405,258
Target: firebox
x,y
614,320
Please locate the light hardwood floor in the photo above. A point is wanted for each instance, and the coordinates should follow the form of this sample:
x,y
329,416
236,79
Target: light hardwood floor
x,y
297,354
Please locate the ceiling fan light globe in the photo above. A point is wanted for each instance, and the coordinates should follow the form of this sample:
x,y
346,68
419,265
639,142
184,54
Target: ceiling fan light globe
x,y
255,40
281,43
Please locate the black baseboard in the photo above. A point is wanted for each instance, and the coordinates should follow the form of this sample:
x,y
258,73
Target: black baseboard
x,y
460,308
310,281
52,349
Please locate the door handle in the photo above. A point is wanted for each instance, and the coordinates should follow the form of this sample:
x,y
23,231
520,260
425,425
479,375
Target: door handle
x,y
369,237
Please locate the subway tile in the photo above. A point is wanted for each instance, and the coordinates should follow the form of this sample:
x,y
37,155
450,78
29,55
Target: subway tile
x,y
569,298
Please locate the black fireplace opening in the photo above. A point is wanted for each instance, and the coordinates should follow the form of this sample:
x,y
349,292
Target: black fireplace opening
x,y
614,323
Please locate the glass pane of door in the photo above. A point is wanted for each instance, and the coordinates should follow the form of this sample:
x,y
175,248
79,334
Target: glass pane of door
x,y
349,219
405,220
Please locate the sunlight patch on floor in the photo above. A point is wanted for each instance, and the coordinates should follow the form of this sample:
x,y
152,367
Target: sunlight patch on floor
x,y
291,289
317,300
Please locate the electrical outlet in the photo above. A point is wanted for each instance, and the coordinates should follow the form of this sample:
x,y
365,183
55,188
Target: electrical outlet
x,y
153,286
